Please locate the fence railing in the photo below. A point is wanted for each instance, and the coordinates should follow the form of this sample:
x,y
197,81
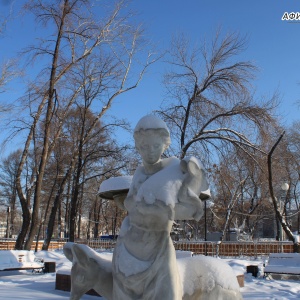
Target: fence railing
x,y
236,249
231,249
9,244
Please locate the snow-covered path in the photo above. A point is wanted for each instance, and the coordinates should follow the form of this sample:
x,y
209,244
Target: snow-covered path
x,y
23,285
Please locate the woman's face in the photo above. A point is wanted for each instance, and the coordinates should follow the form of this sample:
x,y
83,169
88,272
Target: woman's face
x,y
151,148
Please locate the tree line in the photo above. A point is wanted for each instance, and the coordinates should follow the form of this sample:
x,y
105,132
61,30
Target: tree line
x,y
69,143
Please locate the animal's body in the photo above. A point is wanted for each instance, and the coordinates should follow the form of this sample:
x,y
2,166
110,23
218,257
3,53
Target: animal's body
x,y
202,277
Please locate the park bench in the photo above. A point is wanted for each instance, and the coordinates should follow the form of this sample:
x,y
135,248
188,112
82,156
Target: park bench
x,y
20,260
283,264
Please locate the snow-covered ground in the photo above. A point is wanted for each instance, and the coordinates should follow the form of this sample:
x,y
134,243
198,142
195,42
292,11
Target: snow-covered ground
x,y
23,285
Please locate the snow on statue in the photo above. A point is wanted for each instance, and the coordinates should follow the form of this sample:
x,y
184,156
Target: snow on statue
x,y
144,264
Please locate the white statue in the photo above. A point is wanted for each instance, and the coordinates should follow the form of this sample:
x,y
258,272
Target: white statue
x,y
202,277
162,190
89,271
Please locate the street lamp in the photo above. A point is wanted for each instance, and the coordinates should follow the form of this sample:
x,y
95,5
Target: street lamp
x,y
7,222
284,188
205,228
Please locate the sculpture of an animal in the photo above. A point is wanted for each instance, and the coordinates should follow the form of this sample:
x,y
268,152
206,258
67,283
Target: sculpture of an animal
x,y
207,278
90,270
202,277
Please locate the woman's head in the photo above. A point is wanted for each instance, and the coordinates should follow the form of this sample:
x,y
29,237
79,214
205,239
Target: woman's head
x,y
152,138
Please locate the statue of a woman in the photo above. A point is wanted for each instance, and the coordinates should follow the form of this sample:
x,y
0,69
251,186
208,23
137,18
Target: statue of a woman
x,y
144,264
162,190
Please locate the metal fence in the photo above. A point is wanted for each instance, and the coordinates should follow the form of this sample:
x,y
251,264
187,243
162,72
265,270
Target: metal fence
x,y
222,249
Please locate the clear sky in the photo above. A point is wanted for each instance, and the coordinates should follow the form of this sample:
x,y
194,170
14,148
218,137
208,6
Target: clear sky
x,y
274,45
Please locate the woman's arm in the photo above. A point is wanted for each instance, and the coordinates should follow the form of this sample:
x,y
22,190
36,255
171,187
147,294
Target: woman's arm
x,y
189,208
189,205
119,199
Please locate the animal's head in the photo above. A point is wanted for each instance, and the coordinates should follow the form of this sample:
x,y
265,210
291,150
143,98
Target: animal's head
x,y
68,251
84,272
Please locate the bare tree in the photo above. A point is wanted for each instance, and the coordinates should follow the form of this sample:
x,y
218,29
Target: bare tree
x,y
76,37
294,143
230,184
212,110
8,68
8,72
8,190
212,101
294,170
276,203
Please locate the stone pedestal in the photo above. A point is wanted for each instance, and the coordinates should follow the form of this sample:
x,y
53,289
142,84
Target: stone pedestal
x,y
63,283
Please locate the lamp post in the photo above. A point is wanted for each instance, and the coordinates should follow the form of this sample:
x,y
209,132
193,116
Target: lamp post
x,y
205,228
284,188
7,222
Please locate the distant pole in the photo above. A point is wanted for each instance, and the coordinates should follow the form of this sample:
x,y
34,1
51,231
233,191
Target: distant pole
x,y
284,187
205,228
7,222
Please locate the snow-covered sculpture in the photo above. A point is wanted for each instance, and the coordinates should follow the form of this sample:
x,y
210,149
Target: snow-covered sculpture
x,y
201,277
240,233
162,190
90,270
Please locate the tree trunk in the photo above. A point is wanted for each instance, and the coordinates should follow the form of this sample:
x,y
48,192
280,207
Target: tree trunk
x,y
80,208
225,234
51,222
296,247
74,205
22,235
26,218
279,216
75,194
49,113
67,213
26,214
79,225
59,222
277,228
88,231
38,236
97,218
13,211
56,204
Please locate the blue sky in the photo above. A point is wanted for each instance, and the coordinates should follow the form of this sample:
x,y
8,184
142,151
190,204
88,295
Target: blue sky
x,y
273,45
